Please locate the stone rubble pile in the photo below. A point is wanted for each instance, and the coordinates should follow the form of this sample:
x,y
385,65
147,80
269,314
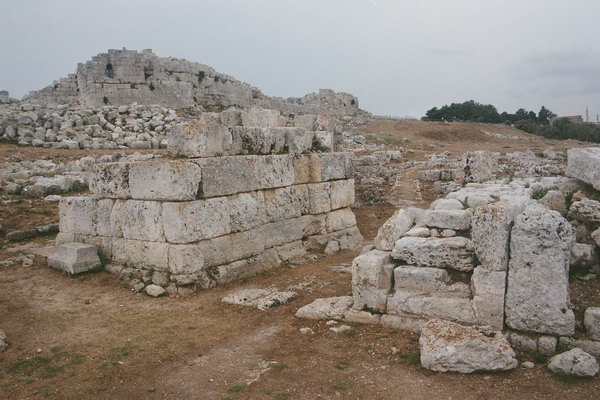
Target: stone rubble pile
x,y
41,178
495,254
71,127
191,223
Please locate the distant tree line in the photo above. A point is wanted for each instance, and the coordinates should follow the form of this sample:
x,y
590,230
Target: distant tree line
x,y
529,121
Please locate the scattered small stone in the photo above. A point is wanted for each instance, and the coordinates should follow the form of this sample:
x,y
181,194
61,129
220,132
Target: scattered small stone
x,y
394,350
38,350
331,323
53,198
154,290
333,246
138,287
340,329
574,362
306,331
3,341
528,365
262,299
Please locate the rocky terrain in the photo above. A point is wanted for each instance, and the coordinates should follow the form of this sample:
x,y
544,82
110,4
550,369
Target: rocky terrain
x,y
286,248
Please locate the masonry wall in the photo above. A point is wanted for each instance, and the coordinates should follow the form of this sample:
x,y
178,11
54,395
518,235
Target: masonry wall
x,y
196,223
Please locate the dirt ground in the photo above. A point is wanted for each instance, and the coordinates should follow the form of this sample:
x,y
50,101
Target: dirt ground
x,y
91,337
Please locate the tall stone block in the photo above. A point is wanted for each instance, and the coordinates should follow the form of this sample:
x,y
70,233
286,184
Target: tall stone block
x,y
537,297
584,164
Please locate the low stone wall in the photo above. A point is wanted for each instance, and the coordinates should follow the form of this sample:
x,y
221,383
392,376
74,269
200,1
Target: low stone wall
x,y
494,254
186,224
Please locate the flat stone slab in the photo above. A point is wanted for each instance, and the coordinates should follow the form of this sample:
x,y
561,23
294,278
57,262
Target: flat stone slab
x,y
447,346
75,258
263,299
327,308
584,164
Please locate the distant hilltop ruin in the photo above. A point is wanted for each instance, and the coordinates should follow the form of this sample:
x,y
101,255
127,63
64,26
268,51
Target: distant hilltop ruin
x,y
121,77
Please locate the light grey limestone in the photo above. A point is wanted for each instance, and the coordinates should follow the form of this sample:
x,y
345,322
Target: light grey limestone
x,y
489,288
537,296
459,220
584,164
447,346
196,220
326,308
455,253
395,227
75,258
574,362
591,322
372,280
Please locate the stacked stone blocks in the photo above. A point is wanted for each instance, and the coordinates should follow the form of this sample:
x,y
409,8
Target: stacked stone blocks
x,y
199,222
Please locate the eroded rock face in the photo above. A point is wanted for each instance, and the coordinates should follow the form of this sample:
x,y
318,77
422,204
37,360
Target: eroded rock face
x,y
574,362
585,210
394,228
455,252
372,280
447,346
584,164
537,297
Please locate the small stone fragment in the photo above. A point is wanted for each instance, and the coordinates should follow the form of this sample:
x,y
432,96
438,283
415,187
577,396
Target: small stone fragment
x,y
574,362
154,290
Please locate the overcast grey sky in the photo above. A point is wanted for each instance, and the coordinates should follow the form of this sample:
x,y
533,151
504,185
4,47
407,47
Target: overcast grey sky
x,y
399,57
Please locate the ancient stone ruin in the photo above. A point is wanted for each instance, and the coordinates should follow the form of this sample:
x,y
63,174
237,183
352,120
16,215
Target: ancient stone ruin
x,y
494,254
241,195
121,77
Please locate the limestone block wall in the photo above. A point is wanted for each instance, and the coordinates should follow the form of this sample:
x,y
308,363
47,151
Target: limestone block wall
x,y
488,254
186,224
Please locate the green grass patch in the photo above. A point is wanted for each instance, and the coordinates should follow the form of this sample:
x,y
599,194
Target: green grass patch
x,y
342,365
541,192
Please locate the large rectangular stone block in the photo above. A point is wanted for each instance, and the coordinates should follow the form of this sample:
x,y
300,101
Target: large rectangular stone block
x,y
137,220
537,295
223,176
141,254
285,203
201,140
342,194
319,197
340,219
174,180
455,252
489,288
85,215
584,164
164,180
185,259
247,211
192,221
372,280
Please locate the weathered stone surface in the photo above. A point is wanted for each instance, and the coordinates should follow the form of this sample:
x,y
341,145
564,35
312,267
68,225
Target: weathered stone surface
x,y
247,211
395,227
446,204
197,140
138,220
418,232
488,296
583,254
140,254
75,258
342,193
537,297
574,362
584,164
361,317
85,215
372,280
456,252
490,232
420,279
340,219
245,268
589,346
263,299
319,196
244,174
185,259
459,220
256,117
555,200
586,211
285,203
154,290
110,180
327,308
447,346
591,321
3,341
409,324
164,180
480,166
197,220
